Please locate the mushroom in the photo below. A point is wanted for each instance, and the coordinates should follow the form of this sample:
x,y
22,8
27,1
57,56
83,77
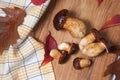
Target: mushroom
x,y
80,63
94,49
94,35
71,48
63,56
74,26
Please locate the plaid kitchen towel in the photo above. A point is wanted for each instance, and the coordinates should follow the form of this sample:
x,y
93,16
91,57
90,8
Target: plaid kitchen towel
x,y
21,61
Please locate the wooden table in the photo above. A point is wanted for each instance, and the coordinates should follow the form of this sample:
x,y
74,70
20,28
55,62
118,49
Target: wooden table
x,y
94,16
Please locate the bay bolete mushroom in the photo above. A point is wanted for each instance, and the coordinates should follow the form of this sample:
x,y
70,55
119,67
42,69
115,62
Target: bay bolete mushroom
x,y
74,26
62,56
94,35
95,49
80,63
71,48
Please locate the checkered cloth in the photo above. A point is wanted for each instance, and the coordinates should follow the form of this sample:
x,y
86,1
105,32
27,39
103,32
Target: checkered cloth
x,y
21,61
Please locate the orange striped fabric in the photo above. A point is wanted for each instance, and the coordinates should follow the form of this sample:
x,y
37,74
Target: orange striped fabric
x,y
21,61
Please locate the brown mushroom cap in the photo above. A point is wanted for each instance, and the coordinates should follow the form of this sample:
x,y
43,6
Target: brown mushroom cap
x,y
76,63
96,33
74,48
64,57
98,37
107,44
60,18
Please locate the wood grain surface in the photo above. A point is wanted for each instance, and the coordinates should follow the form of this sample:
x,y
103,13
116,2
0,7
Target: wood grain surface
x,y
94,16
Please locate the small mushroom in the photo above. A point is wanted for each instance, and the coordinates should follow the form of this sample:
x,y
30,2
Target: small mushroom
x,y
94,35
94,49
62,56
80,63
71,48
74,26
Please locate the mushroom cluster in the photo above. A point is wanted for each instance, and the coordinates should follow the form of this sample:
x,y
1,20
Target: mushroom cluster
x,y
91,45
71,48
64,51
62,56
93,36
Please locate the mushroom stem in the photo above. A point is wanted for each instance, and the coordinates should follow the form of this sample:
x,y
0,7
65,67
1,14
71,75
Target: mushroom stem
x,y
85,63
86,40
62,56
55,54
75,27
94,49
94,35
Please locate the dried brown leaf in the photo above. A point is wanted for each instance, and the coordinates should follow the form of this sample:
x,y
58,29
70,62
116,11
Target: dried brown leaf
x,y
113,68
8,26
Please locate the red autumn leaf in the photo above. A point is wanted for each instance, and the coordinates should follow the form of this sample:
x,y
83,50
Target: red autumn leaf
x,y
49,45
99,1
115,20
113,68
38,2
8,26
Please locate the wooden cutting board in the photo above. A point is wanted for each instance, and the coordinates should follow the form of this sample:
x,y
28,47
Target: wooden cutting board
x,y
94,16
